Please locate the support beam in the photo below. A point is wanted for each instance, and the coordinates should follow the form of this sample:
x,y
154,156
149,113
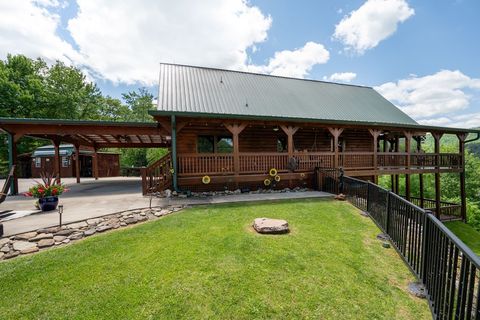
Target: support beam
x,y
437,136
56,160
397,177
290,131
95,164
463,194
375,134
408,142
77,162
173,130
12,161
335,132
420,176
235,129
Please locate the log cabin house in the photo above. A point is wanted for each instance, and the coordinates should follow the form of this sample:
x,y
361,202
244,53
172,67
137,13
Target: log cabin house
x,y
228,129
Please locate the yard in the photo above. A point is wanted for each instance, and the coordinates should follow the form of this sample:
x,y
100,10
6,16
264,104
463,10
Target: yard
x,y
206,262
467,234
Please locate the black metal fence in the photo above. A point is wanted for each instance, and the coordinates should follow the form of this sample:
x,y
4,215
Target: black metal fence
x,y
449,270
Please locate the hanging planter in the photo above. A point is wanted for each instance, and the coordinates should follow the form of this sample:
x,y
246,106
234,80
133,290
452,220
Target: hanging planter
x,y
273,172
205,179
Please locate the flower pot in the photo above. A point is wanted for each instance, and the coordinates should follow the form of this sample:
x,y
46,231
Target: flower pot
x,y
48,203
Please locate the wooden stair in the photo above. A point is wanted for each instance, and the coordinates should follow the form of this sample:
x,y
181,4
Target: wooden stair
x,y
157,177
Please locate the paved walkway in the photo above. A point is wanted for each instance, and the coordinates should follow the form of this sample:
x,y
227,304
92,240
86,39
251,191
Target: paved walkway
x,y
92,199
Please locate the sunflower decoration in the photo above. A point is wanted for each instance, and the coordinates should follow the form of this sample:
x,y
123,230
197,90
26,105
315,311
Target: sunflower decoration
x,y
302,174
172,171
267,182
206,179
273,172
277,178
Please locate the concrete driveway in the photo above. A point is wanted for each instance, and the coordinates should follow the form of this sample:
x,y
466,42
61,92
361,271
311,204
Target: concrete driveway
x,y
85,200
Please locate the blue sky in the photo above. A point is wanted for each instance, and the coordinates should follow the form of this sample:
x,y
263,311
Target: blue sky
x,y
421,55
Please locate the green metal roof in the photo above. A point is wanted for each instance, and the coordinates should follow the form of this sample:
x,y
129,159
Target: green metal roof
x,y
216,92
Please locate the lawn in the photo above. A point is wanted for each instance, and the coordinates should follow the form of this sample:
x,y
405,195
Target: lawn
x,y
467,234
206,262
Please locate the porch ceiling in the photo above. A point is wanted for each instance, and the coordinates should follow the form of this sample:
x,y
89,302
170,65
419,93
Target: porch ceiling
x,y
94,134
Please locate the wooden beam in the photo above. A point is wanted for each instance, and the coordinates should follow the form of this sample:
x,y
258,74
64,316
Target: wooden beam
x,y
463,193
335,132
235,129
12,160
56,159
408,149
77,162
95,164
289,131
437,136
375,134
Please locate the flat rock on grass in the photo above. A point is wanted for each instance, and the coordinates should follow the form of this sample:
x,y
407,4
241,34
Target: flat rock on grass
x,y
41,236
25,236
270,226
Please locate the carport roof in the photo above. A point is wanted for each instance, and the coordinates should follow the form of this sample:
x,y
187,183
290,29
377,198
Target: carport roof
x,y
90,133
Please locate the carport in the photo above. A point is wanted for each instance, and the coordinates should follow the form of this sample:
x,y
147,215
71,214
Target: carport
x,y
90,134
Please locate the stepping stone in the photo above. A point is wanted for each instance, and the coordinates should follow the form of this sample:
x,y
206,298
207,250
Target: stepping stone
x,y
4,241
89,232
59,238
46,243
10,255
78,225
270,226
5,249
25,236
30,250
76,236
65,232
41,236
104,228
23,245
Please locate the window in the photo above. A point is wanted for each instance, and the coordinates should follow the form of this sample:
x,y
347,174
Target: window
x,y
214,144
38,162
282,144
205,144
224,145
65,162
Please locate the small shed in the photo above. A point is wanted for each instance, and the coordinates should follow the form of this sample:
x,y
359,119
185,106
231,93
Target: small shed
x,y
42,160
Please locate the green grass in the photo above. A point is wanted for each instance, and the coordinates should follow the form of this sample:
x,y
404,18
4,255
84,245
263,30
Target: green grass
x,y
466,233
206,262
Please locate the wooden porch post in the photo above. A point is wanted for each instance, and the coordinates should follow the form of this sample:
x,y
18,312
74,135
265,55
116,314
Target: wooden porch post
x,y
95,163
375,134
420,176
437,136
57,159
397,177
463,194
290,131
173,130
12,160
235,129
408,141
335,132
77,162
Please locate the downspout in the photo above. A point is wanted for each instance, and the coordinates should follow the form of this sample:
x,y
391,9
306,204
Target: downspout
x,y
474,139
174,153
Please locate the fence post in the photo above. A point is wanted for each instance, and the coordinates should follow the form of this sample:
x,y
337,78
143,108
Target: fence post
x,y
368,196
387,220
340,181
423,275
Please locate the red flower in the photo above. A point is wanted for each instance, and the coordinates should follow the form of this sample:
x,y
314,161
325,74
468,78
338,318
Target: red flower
x,y
41,190
54,192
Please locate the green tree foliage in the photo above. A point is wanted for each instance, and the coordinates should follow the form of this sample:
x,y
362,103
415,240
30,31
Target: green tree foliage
x,y
32,89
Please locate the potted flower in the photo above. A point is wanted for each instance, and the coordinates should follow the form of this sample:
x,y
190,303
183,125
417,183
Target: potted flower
x,y
47,192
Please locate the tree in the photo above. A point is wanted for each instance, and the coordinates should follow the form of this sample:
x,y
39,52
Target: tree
x,y
139,102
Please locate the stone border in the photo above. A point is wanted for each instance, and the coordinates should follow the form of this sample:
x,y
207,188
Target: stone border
x,y
45,238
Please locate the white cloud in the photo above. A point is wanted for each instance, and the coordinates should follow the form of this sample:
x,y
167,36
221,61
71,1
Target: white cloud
x,y
124,41
341,76
296,63
435,99
29,28
373,22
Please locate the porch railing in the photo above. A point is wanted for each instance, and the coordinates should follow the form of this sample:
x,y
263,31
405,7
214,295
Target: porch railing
x,y
261,162
448,210
157,176
449,270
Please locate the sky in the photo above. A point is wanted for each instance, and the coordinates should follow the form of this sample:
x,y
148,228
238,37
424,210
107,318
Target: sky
x,y
421,55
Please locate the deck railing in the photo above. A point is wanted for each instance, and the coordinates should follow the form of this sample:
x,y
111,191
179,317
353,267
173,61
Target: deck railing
x,y
449,270
157,176
448,210
261,162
